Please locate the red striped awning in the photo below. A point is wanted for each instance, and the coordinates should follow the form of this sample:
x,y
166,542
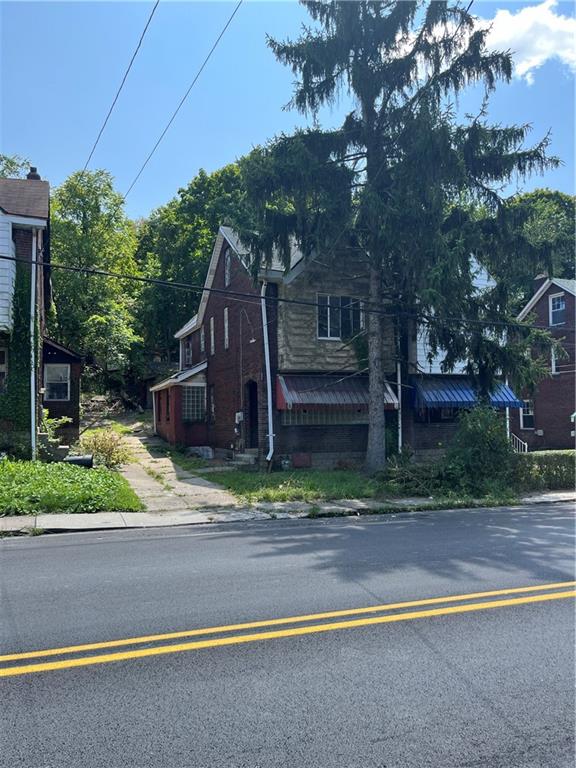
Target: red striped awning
x,y
326,390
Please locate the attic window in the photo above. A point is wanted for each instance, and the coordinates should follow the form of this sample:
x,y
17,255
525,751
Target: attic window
x,y
557,309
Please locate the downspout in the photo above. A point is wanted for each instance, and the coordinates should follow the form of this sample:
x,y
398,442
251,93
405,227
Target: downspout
x,y
268,373
33,346
399,394
507,416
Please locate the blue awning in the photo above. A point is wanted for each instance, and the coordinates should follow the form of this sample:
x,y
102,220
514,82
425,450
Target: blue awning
x,y
458,392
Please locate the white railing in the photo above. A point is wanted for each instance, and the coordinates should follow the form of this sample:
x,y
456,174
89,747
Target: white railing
x,y
520,446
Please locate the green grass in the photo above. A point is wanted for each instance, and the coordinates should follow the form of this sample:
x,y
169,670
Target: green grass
x,y
31,487
189,463
300,485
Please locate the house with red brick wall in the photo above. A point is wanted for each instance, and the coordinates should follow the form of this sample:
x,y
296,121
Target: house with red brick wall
x,y
545,420
271,368
271,371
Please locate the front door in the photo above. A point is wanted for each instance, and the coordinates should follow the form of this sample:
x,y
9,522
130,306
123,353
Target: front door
x,y
252,415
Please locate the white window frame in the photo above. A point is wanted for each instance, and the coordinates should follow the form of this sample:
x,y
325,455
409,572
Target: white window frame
x,y
4,369
529,407
195,408
553,296
226,335
227,268
212,337
339,309
47,383
202,340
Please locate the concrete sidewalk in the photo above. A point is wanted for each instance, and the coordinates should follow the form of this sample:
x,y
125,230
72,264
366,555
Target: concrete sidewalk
x,y
265,511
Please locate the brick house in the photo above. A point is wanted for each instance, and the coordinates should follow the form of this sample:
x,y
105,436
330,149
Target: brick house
x,y
545,420
286,379
27,375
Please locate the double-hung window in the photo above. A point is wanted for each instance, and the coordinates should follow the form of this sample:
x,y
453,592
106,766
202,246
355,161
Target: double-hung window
x,y
57,381
188,352
3,368
557,309
527,415
212,338
339,317
202,340
194,403
227,268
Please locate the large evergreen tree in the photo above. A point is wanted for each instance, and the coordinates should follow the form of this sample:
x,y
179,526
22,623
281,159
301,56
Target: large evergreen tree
x,y
393,186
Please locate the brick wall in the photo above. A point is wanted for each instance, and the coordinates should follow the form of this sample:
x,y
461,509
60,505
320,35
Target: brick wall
x,y
554,398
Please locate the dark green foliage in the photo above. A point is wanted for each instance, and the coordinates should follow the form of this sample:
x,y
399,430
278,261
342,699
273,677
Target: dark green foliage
x,y
480,456
15,401
31,487
546,470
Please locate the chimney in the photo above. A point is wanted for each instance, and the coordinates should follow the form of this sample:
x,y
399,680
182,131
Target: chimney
x,y
33,174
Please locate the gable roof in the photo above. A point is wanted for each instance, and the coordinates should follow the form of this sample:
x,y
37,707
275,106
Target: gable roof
x,y
562,283
61,348
228,235
25,197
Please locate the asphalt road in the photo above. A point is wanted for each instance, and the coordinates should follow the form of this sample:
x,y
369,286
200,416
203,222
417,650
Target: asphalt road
x,y
443,684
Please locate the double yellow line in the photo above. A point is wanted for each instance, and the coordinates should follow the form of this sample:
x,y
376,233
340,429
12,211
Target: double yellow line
x,y
557,591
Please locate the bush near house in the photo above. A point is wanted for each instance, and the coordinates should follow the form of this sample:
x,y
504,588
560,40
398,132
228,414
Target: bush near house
x,y
545,470
107,446
32,487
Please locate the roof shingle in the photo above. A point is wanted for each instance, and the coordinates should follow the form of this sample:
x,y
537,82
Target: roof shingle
x,y
25,197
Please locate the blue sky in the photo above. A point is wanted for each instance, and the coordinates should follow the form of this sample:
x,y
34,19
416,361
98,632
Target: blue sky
x,y
61,64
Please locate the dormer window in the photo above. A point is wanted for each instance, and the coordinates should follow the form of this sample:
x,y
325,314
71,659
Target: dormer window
x,y
557,309
227,268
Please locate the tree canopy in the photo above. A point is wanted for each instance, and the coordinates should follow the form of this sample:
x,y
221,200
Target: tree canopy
x,y
396,186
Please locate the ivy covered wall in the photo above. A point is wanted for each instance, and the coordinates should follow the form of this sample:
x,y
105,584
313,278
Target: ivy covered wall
x,y
15,401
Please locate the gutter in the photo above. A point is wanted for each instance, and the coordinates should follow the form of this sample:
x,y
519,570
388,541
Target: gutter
x,y
33,345
268,373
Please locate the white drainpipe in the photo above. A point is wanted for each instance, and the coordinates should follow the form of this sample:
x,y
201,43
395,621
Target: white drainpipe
x,y
507,417
33,347
268,374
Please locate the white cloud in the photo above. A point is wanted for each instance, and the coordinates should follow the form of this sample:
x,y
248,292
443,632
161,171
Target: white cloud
x,y
535,34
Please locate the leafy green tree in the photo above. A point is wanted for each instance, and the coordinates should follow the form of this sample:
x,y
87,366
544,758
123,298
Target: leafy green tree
x,y
93,314
13,167
392,187
175,244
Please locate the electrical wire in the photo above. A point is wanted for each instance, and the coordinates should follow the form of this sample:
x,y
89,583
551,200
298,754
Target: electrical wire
x,y
192,84
126,73
249,298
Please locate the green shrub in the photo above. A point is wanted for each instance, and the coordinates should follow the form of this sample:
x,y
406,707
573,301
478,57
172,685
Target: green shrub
x,y
33,487
107,446
480,458
545,470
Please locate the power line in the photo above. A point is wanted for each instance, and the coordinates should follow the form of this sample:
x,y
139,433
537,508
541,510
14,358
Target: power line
x,y
192,84
249,298
121,86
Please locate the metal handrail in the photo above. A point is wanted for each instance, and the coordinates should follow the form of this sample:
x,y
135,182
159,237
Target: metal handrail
x,y
519,445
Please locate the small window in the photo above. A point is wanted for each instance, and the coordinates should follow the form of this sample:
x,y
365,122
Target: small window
x,y
202,340
212,339
168,404
188,352
557,309
553,362
57,382
227,268
194,403
527,415
226,337
158,406
3,369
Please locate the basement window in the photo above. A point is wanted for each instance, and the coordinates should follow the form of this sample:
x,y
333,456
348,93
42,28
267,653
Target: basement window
x,y
57,382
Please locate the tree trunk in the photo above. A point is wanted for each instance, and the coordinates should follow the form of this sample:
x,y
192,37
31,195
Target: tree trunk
x,y
376,450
